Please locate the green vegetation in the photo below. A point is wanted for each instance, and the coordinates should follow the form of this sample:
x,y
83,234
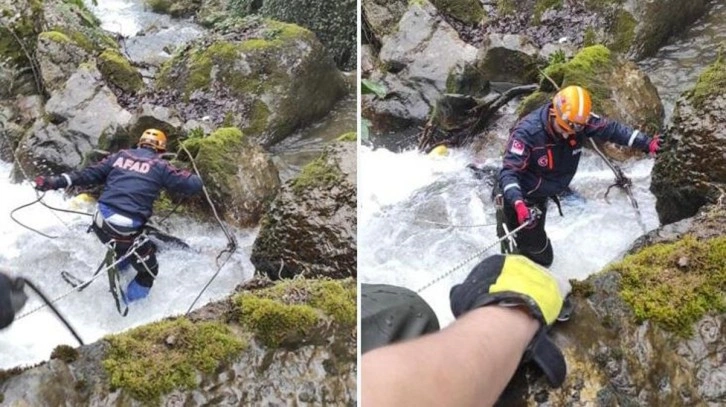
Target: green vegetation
x,y
155,359
349,137
320,172
65,353
590,37
623,31
117,70
506,7
711,82
258,118
467,11
213,155
159,6
674,285
55,36
369,87
287,313
586,69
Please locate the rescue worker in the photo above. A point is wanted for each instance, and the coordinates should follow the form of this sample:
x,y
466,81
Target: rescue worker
x,y
132,179
12,298
541,158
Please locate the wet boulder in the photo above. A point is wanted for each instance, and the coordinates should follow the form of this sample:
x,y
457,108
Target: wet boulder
x,y
58,58
508,58
690,171
381,17
422,59
647,330
83,116
633,28
467,11
239,175
265,77
619,89
333,22
309,229
117,71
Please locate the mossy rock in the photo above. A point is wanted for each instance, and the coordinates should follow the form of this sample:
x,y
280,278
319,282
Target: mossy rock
x,y
711,83
320,172
239,175
674,285
294,312
155,359
272,76
22,22
467,11
117,70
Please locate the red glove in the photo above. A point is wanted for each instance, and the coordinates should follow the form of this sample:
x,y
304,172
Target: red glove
x,y
524,214
654,145
50,182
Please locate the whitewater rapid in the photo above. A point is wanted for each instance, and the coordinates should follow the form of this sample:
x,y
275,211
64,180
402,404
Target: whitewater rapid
x,y
92,312
404,198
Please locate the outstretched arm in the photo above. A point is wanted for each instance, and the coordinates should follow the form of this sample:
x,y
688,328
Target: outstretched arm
x,y
469,363
618,133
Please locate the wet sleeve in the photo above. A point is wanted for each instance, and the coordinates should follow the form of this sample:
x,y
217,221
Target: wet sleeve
x,y
618,133
94,174
516,160
181,181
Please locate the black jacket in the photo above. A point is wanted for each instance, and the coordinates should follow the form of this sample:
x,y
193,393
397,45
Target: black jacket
x,y
539,163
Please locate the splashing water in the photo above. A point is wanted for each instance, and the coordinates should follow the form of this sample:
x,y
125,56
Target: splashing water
x,y
405,197
92,312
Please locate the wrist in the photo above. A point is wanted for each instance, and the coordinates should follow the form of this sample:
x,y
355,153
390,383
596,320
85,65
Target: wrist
x,y
517,319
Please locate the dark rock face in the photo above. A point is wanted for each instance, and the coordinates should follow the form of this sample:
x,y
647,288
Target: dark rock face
x,y
310,228
691,170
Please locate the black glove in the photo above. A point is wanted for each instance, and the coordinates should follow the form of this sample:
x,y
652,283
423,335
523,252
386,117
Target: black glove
x,y
517,281
50,182
12,298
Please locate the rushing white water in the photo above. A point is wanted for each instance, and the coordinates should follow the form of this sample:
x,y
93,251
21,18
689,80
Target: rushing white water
x,y
402,195
92,312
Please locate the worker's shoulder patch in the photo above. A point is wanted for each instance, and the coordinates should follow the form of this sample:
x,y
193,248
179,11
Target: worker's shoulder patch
x,y
517,147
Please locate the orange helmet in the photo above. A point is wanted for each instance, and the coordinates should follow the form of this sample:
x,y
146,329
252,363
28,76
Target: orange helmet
x,y
153,138
571,108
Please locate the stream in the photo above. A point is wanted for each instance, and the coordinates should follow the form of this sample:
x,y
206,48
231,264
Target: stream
x,y
421,217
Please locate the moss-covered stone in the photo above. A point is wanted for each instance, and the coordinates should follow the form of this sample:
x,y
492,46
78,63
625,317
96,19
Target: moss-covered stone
x,y
319,172
676,284
467,11
155,359
623,31
117,70
289,311
585,69
55,36
65,353
213,154
159,6
258,118
351,137
712,82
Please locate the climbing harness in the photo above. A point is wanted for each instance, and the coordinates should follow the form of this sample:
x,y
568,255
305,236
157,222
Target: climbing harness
x,y
474,256
231,240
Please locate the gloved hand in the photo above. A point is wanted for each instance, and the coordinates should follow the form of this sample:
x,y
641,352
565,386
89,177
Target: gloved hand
x,y
50,182
525,214
514,280
12,298
654,145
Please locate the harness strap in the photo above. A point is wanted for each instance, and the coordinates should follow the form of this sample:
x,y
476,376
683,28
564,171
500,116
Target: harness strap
x,y
556,200
114,283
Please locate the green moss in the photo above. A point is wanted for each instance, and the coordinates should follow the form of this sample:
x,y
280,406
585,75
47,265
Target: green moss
x,y
258,118
623,31
540,6
319,172
65,353
467,11
675,285
506,7
81,39
533,101
290,310
585,70
416,2
590,37
582,289
213,154
352,136
711,82
55,36
116,69
155,359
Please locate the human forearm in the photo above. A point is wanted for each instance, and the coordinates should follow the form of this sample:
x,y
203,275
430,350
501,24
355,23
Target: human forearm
x,y
467,364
